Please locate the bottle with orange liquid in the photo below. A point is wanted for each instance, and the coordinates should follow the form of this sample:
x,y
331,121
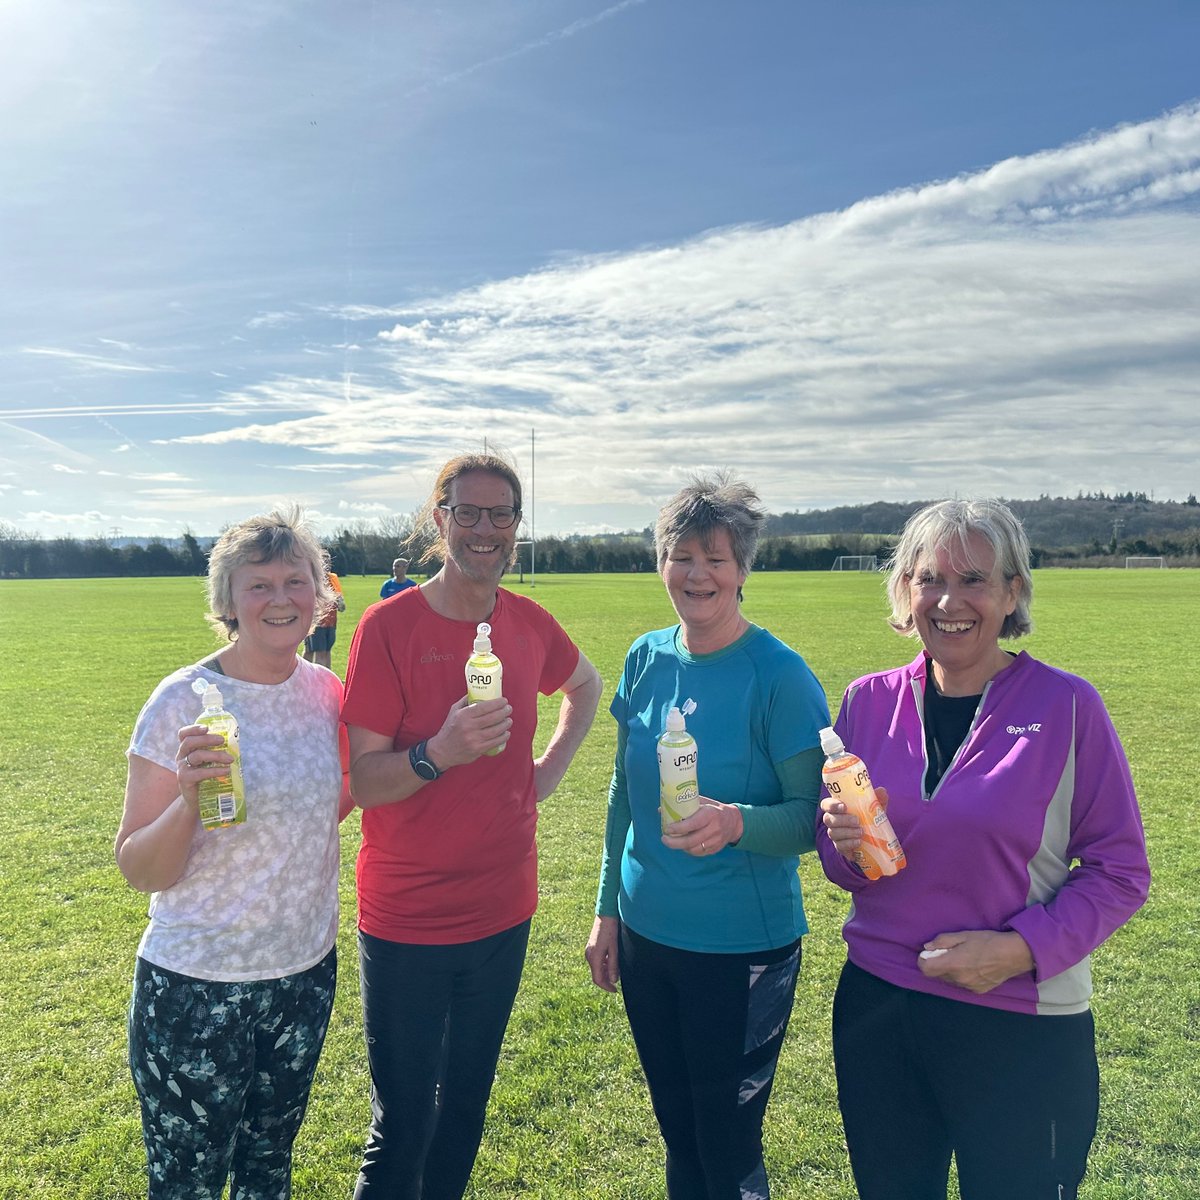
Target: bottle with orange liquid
x,y
845,776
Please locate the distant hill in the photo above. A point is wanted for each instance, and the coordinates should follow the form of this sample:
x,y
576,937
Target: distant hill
x,y
1051,522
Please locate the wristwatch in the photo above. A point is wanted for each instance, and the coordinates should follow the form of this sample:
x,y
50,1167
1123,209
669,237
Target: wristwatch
x,y
418,759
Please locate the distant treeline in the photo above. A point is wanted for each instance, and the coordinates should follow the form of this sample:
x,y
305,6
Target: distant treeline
x,y
1087,530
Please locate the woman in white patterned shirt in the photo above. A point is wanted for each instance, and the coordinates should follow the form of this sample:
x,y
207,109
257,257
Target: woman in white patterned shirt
x,y
236,970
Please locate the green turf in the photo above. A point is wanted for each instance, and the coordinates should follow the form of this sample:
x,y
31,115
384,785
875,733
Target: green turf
x,y
569,1115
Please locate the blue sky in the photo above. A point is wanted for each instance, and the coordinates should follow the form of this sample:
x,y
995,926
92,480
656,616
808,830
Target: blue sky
x,y
268,250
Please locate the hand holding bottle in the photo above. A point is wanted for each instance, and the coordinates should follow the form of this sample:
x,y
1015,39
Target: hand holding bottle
x,y
711,828
843,827
471,731
847,779
222,799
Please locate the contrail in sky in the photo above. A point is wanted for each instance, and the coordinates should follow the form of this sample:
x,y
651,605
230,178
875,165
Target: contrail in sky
x,y
540,43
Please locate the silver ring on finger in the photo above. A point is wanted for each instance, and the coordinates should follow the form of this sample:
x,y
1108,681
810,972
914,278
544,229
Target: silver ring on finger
x,y
187,760
703,848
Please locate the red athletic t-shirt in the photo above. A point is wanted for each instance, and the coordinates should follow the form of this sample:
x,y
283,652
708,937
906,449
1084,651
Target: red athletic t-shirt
x,y
457,860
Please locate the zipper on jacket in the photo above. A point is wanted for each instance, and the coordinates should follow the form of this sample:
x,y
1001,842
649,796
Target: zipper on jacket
x,y
919,695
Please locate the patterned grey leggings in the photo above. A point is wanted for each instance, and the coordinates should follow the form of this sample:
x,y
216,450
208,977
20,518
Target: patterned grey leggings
x,y
223,1072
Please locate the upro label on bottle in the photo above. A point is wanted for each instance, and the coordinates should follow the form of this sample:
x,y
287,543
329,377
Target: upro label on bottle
x,y
847,779
485,673
679,788
223,800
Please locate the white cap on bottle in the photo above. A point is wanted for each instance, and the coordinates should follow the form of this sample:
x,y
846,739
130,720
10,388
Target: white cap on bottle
x,y
483,638
210,692
675,721
830,742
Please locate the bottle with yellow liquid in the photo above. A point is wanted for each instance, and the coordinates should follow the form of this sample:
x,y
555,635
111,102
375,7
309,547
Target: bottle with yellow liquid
x,y
222,800
679,787
846,777
485,672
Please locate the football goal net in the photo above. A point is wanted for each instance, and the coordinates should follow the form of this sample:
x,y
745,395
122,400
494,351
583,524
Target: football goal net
x,y
856,562
1145,561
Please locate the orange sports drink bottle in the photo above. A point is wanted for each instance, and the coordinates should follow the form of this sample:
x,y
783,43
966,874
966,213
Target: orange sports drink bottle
x,y
846,779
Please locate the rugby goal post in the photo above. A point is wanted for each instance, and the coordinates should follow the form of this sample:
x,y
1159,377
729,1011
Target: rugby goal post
x,y
1145,560
856,562
532,561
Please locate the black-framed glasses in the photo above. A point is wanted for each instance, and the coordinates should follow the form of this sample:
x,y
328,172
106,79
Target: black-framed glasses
x,y
467,515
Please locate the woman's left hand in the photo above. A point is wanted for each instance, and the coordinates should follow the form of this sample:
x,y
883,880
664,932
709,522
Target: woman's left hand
x,y
976,959
711,828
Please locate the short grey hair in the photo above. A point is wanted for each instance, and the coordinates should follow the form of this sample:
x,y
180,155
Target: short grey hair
x,y
707,504
948,524
282,533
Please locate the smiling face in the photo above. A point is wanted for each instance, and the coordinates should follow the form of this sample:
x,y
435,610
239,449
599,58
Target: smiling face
x,y
274,604
959,603
480,554
703,585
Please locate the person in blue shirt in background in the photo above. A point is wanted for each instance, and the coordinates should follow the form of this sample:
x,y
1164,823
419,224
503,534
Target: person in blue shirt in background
x,y
399,580
701,924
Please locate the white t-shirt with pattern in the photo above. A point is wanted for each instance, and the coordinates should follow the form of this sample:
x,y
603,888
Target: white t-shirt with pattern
x,y
258,900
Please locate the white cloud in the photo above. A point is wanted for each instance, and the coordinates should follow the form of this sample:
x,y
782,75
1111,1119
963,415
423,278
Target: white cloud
x,y
91,363
349,506
65,520
332,468
1032,327
273,320
1007,331
417,334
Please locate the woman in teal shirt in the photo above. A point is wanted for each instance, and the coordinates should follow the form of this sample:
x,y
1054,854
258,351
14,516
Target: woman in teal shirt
x,y
701,924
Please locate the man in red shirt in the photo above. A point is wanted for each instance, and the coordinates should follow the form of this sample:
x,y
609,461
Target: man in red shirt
x,y
447,872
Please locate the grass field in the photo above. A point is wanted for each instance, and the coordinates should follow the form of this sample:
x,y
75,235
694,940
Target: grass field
x,y
569,1115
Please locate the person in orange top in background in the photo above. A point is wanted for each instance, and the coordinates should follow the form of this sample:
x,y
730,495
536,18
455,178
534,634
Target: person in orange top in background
x,y
318,646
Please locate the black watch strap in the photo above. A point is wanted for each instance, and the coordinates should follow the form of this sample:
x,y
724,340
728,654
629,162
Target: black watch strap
x,y
418,759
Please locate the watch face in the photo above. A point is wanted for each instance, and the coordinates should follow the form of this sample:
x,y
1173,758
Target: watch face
x,y
426,770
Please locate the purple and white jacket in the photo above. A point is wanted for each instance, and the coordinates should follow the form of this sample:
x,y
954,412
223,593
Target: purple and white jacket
x,y
1034,827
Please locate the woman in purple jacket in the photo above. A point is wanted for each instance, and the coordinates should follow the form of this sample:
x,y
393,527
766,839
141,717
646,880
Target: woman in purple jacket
x,y
961,1024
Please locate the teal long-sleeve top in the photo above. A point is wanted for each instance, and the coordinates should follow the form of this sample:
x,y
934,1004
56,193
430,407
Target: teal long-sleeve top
x,y
757,713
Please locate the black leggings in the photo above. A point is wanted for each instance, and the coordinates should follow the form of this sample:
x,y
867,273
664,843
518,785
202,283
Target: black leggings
x,y
708,1029
223,1072
434,1018
1014,1097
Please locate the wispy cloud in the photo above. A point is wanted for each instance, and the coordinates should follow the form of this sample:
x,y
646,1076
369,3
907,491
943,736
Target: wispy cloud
x,y
286,397
938,338
94,362
147,477
329,468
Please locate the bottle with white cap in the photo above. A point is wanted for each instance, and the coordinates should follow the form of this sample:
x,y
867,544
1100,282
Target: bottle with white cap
x,y
679,786
485,672
222,800
846,777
